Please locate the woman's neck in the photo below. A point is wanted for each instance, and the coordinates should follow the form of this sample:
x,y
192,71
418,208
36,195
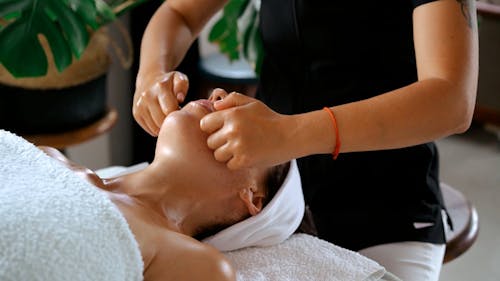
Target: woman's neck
x,y
160,198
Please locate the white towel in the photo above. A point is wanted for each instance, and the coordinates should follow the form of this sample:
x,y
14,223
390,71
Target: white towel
x,y
56,226
302,258
274,224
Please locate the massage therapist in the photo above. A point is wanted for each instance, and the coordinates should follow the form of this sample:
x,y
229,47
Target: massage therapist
x,y
372,82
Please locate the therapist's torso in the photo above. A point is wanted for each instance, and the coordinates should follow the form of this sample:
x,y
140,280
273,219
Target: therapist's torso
x,y
326,53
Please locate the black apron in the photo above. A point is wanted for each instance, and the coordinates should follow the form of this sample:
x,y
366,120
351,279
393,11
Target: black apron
x,y
326,53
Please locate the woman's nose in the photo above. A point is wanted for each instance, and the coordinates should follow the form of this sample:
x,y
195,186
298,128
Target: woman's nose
x,y
217,94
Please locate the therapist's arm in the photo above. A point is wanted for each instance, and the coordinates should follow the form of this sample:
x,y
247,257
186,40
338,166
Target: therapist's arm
x,y
439,104
168,36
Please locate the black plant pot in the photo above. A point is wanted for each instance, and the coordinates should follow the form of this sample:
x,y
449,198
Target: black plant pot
x,y
26,111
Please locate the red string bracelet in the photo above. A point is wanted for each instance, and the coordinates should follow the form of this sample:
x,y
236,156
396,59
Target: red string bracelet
x,y
337,136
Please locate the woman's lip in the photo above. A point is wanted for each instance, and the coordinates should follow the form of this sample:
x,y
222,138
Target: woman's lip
x,y
206,104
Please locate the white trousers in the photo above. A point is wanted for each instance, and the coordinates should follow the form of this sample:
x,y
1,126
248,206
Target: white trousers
x,y
410,261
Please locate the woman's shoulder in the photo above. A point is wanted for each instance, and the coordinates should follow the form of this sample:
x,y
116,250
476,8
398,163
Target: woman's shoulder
x,y
181,257
168,254
80,170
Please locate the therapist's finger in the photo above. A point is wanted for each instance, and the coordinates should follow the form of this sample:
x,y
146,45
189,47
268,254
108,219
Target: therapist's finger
x,y
223,153
144,125
216,140
181,86
166,97
153,128
232,100
157,115
212,122
236,163
217,94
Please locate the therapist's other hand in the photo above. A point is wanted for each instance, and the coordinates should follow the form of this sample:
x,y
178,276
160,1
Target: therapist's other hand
x,y
156,96
244,132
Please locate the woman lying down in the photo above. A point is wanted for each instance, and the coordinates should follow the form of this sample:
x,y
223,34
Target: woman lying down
x,y
55,226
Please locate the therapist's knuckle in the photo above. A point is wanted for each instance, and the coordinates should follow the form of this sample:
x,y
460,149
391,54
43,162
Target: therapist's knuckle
x,y
218,155
211,143
232,131
162,86
183,81
138,110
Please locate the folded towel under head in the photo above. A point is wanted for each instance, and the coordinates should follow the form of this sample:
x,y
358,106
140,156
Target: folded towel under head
x,y
304,258
56,226
274,224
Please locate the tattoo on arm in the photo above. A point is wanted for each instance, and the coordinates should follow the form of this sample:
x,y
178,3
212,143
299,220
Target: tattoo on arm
x,y
466,11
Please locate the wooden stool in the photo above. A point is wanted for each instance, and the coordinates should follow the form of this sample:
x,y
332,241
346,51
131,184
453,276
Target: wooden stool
x,y
76,136
465,223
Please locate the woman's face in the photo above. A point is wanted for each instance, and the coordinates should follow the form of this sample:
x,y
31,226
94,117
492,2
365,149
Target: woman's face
x,y
182,148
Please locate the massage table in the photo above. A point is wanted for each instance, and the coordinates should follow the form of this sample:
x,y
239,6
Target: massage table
x,y
56,226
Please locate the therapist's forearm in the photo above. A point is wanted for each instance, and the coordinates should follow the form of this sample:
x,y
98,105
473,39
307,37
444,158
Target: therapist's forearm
x,y
164,44
170,33
421,112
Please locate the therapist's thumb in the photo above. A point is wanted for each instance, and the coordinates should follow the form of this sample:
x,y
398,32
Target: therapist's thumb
x,y
232,100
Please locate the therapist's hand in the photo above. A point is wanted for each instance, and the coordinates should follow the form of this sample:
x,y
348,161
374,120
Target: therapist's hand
x,y
156,96
244,132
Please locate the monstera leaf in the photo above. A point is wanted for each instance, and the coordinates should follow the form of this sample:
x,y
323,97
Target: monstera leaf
x,y
64,23
237,32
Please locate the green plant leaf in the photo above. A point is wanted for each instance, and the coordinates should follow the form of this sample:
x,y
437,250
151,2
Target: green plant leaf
x,y
86,10
230,45
104,12
234,9
218,31
225,30
238,31
253,50
259,52
248,32
57,44
21,52
8,7
64,23
23,56
72,27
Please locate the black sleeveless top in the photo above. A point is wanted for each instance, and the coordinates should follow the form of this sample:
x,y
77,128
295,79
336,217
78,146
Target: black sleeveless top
x,y
324,53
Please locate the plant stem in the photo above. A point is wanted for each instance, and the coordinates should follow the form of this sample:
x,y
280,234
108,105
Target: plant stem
x,y
127,5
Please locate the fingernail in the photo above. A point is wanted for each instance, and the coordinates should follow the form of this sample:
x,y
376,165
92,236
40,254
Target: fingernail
x,y
180,97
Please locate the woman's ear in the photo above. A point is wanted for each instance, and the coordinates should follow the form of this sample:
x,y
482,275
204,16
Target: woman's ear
x,y
253,199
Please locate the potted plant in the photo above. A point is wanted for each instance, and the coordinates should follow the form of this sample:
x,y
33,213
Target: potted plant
x,y
53,62
237,32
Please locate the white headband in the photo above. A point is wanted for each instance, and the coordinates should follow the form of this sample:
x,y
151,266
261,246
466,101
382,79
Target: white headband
x,y
274,224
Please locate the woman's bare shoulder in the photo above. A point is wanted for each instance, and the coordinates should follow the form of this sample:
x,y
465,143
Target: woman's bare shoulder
x,y
82,171
180,257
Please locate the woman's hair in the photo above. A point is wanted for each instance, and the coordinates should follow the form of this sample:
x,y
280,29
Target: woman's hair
x,y
274,179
